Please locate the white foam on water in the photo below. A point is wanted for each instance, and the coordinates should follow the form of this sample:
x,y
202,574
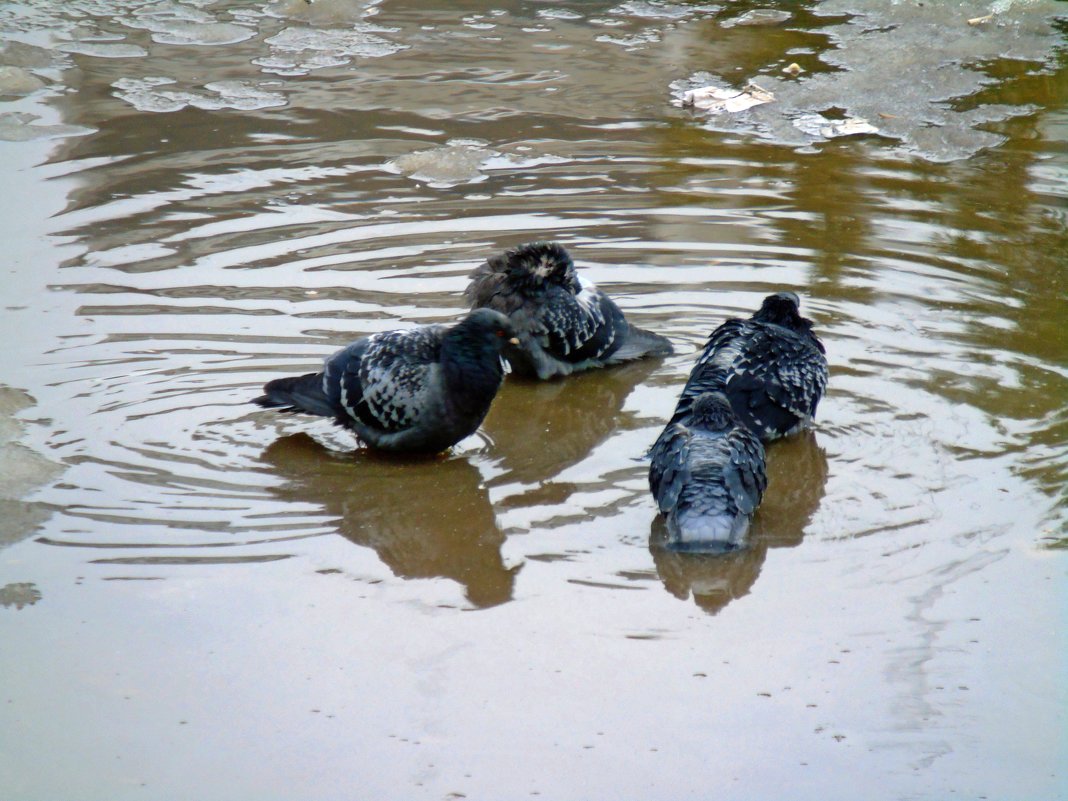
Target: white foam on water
x,y
448,165
634,41
321,12
104,49
301,48
652,10
173,23
758,16
146,94
461,161
558,13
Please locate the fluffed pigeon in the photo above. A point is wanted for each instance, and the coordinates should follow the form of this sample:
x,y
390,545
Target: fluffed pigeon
x,y
771,367
708,475
564,322
419,390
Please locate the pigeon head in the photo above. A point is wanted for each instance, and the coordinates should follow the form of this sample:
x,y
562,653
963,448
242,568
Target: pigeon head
x,y
538,263
712,411
487,326
782,308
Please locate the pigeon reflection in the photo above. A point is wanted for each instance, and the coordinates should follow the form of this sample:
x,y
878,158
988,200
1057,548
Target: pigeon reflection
x,y
539,429
797,478
424,519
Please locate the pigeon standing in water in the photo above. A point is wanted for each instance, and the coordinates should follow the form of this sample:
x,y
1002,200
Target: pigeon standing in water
x,y
771,367
419,390
564,322
708,476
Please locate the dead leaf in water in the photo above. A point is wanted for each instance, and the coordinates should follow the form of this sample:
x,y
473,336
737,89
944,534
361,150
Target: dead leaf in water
x,y
819,126
717,100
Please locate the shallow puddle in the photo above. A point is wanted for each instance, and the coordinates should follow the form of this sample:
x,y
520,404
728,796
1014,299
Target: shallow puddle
x,y
202,599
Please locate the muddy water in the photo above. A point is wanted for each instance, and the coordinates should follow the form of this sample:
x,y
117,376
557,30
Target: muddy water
x,y
204,600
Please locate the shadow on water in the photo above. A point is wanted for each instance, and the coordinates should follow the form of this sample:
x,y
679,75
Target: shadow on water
x,y
424,519
797,476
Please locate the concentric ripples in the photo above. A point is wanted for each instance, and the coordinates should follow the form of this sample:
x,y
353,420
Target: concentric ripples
x,y
200,308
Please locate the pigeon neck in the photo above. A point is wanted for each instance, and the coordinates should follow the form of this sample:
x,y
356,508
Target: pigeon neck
x,y
786,317
472,366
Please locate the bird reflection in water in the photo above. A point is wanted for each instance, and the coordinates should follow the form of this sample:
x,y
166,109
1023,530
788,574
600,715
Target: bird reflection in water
x,y
797,477
539,429
424,519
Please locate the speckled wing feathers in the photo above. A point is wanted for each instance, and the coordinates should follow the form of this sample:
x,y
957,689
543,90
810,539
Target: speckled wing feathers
x,y
668,467
745,475
793,373
578,327
394,381
773,376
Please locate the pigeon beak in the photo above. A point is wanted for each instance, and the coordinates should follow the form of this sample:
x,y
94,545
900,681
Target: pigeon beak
x,y
513,341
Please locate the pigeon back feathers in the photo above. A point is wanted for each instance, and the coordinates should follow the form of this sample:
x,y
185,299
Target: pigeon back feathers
x,y
708,476
771,367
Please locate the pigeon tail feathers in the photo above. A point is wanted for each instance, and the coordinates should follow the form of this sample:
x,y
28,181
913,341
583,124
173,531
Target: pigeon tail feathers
x,y
640,344
302,393
715,532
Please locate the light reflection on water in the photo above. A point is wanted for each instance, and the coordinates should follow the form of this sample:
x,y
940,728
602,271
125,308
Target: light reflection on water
x,y
204,242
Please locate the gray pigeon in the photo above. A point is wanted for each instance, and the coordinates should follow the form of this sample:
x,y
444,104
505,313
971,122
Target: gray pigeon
x,y
419,390
771,367
708,476
564,322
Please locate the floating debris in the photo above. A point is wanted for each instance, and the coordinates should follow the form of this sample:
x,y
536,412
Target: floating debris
x,y
932,103
824,128
457,162
793,69
758,16
717,100
464,161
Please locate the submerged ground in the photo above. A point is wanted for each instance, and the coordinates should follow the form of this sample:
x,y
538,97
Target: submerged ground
x,y
200,599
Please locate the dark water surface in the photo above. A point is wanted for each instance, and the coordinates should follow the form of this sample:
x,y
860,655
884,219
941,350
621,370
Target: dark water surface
x,y
200,599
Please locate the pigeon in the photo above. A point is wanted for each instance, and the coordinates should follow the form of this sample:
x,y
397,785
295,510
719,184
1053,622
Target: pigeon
x,y
565,324
419,390
708,475
771,367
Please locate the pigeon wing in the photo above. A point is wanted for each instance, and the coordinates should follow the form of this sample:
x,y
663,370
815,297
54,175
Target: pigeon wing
x,y
669,465
779,366
745,474
577,327
397,377
340,379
